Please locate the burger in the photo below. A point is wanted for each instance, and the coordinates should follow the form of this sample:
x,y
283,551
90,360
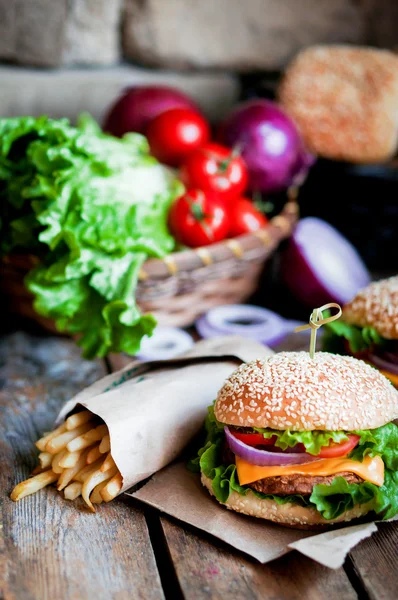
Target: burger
x,y
304,442
369,328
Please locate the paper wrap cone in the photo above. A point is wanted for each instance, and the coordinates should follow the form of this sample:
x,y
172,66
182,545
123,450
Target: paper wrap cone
x,y
154,409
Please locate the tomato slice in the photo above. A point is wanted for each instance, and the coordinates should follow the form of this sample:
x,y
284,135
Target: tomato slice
x,y
253,439
341,449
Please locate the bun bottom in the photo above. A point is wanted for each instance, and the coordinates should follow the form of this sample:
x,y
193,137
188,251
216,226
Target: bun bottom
x,y
288,515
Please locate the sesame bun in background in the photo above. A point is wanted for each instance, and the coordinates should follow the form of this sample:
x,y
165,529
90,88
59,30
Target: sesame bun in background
x,y
261,456
344,100
369,328
376,306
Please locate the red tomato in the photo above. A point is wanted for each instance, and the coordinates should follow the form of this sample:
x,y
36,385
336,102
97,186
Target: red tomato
x,y
175,133
215,168
198,218
253,439
245,218
341,449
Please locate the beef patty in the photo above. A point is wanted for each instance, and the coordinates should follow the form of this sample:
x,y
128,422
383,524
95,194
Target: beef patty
x,y
287,485
297,484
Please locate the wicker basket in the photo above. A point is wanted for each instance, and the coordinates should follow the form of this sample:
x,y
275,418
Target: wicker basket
x,y
182,285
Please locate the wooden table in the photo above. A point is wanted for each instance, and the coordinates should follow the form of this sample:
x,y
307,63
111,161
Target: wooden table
x,y
51,550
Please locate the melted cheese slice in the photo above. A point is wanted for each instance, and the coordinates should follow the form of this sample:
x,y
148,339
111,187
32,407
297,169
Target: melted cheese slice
x,y
371,469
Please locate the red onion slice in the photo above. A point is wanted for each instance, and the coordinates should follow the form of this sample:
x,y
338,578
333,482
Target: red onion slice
x,y
391,357
382,363
320,265
263,458
245,320
166,342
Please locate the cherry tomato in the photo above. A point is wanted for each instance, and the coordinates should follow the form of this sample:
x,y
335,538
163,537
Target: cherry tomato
x,y
253,439
198,218
245,218
217,169
340,449
175,133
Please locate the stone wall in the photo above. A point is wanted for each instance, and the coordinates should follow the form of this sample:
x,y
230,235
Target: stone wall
x,y
242,35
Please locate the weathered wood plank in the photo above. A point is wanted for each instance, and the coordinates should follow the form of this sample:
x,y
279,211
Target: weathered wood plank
x,y
208,569
48,547
375,563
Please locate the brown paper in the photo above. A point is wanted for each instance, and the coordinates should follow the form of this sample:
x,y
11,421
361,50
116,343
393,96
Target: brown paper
x,y
154,409
179,493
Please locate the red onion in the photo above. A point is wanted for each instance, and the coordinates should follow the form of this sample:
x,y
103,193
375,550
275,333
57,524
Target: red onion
x,y
391,357
137,106
166,342
383,363
245,320
264,458
269,144
320,265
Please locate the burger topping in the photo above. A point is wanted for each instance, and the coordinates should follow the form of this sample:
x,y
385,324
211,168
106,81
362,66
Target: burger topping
x,y
287,485
257,456
354,480
370,469
323,444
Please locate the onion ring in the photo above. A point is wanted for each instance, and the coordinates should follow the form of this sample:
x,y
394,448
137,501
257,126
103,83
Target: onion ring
x,y
264,458
166,342
245,320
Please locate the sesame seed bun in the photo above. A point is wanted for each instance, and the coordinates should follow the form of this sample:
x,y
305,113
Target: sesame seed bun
x,y
344,101
289,515
290,390
376,306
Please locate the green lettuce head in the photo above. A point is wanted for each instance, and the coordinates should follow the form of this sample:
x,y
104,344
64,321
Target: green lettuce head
x,y
92,208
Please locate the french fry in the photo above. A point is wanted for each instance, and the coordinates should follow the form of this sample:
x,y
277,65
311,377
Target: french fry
x,y
87,470
76,455
56,460
93,455
96,497
87,439
78,419
66,477
73,490
32,485
43,441
70,459
45,459
112,488
108,463
105,444
37,470
91,481
61,441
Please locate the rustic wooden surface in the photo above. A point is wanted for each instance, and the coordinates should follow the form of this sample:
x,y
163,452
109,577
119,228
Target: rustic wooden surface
x,y
50,550
206,568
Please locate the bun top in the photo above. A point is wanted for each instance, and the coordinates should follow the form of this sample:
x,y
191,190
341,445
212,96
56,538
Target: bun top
x,y
376,306
343,99
290,390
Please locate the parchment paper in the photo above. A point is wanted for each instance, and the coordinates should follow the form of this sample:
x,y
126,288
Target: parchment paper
x,y
179,493
154,409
